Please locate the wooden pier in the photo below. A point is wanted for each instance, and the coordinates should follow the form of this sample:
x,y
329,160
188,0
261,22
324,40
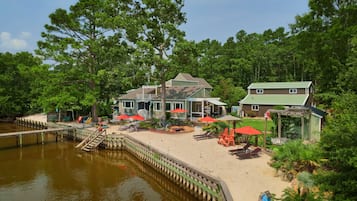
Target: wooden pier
x,y
59,132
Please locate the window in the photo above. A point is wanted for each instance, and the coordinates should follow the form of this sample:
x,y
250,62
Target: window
x,y
178,105
292,91
255,107
168,106
259,91
157,106
128,104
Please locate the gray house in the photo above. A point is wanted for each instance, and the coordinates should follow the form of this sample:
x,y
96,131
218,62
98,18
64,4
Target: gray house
x,y
184,91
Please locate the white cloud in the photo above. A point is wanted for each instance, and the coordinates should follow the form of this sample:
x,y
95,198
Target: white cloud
x,y
8,43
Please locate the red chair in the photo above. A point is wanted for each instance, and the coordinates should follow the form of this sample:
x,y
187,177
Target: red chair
x,y
229,140
223,136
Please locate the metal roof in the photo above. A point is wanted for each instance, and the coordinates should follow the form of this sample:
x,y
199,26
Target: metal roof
x,y
280,85
275,99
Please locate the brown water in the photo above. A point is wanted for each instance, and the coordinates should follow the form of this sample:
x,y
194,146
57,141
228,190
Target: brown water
x,y
58,171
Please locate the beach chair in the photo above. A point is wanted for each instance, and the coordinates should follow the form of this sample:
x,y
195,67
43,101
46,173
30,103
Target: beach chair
x,y
202,135
229,140
222,137
240,150
206,135
250,154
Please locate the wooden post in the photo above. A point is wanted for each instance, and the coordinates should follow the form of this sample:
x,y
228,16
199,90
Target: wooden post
x,y
20,140
42,138
265,133
279,127
302,127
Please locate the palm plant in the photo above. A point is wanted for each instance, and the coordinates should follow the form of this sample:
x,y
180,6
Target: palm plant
x,y
294,157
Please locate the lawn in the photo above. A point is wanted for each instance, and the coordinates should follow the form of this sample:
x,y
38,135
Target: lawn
x,y
256,123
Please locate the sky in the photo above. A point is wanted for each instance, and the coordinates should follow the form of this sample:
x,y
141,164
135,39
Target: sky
x,y
22,21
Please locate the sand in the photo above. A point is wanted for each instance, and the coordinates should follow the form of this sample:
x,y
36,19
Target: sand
x,y
246,179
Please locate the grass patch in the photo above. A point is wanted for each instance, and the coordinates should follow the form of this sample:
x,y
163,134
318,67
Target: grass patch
x,y
258,124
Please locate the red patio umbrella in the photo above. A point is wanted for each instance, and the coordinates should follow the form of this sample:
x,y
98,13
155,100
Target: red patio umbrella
x,y
137,117
247,130
178,110
208,119
123,117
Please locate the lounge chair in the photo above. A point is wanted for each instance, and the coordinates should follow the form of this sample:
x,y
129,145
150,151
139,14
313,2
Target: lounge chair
x,y
250,154
202,135
240,150
209,135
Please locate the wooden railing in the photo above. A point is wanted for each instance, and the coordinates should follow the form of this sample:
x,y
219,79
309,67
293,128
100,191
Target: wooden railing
x,y
203,186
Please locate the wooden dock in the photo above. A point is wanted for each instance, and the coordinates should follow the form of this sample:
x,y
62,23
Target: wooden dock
x,y
59,132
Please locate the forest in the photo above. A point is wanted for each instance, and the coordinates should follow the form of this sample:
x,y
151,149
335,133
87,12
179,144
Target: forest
x,y
97,50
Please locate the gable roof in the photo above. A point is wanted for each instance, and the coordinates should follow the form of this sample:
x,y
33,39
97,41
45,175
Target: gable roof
x,y
280,85
171,93
275,99
132,94
187,77
180,92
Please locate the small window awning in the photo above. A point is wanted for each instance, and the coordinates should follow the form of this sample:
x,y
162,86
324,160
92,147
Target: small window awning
x,y
216,102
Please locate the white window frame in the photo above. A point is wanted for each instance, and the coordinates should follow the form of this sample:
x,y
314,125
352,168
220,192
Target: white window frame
x,y
293,91
131,104
255,107
157,106
259,91
178,105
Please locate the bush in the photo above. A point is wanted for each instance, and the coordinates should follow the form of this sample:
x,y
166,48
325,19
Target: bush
x,y
294,157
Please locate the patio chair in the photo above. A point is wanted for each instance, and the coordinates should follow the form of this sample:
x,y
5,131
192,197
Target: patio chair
x,y
229,140
250,154
222,137
240,150
202,135
208,135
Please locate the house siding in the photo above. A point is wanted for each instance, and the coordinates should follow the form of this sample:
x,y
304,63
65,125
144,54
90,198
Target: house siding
x,y
277,91
262,109
272,88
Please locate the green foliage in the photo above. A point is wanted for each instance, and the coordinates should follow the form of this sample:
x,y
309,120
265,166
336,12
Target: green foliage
x,y
292,195
216,127
339,144
19,79
228,92
294,157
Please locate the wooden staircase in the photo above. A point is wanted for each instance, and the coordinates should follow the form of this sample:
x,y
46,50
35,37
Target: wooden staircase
x,y
92,141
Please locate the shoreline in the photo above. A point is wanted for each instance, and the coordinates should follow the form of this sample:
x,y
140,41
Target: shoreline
x,y
245,179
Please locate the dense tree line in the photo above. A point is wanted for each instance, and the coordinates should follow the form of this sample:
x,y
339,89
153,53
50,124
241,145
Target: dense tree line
x,y
100,49
97,50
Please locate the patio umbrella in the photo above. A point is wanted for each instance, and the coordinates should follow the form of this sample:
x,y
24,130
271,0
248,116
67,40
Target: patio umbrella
x,y
123,117
137,117
207,119
229,118
178,110
248,130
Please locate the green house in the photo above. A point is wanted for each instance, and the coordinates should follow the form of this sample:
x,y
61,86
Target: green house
x,y
184,91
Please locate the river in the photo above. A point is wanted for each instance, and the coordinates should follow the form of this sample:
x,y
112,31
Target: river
x,y
58,171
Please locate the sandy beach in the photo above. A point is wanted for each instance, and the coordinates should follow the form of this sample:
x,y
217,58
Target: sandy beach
x,y
246,179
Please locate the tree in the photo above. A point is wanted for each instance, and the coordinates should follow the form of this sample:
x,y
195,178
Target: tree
x,y
228,92
339,144
86,49
156,32
18,83
324,36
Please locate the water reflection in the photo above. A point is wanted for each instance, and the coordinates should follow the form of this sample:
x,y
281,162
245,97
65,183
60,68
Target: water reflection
x,y
58,171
